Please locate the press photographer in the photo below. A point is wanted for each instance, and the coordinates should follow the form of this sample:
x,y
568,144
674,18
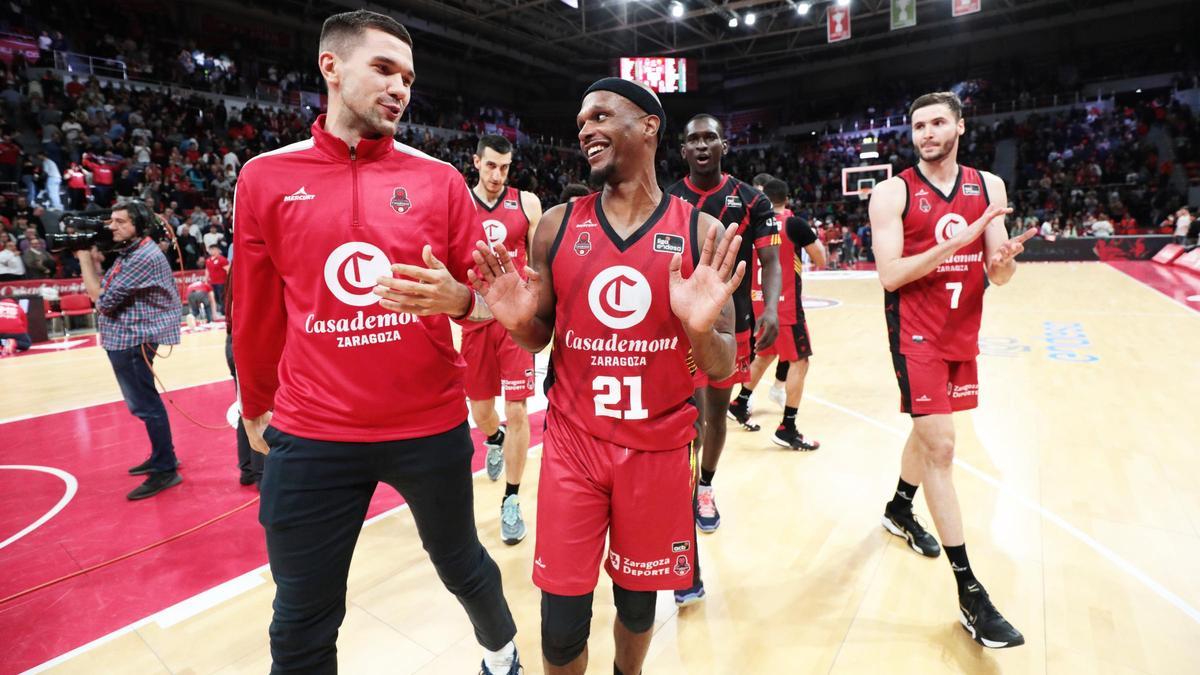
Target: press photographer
x,y
139,309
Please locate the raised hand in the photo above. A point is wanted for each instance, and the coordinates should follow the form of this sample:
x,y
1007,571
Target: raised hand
x,y
434,290
513,300
697,301
1011,248
972,232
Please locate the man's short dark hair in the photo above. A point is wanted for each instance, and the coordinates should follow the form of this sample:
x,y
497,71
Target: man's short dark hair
x,y
761,179
716,122
946,98
573,190
776,190
494,141
340,29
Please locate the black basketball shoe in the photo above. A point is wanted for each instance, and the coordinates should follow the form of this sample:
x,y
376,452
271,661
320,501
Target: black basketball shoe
x,y
983,621
790,438
741,415
905,526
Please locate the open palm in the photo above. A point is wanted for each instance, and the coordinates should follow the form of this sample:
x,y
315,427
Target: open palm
x,y
513,300
698,300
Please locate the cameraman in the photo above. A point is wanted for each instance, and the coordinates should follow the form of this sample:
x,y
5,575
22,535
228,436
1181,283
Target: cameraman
x,y
138,308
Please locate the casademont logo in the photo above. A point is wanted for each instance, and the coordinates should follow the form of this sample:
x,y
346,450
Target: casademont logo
x,y
351,271
948,226
495,231
619,297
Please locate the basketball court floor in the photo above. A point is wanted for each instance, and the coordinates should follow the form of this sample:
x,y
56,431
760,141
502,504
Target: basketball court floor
x,y
1077,477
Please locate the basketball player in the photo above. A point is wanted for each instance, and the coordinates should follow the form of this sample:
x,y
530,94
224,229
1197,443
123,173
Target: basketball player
x,y
358,379
495,363
634,289
934,267
737,205
776,392
792,346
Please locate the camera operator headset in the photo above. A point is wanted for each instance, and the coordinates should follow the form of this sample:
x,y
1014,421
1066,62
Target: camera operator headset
x,y
138,309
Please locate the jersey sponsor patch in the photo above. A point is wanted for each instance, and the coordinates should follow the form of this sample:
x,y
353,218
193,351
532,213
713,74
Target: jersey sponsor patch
x,y
971,189
733,202
400,203
681,546
583,245
511,204
668,243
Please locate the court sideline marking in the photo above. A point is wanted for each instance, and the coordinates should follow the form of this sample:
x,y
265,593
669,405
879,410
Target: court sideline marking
x,y
1104,552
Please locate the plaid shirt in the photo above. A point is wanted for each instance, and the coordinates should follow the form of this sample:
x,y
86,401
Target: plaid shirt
x,y
139,302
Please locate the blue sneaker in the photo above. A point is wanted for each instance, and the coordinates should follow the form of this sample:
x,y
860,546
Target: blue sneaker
x,y
495,456
690,596
512,525
708,518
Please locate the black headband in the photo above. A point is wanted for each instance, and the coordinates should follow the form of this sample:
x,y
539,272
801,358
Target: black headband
x,y
636,95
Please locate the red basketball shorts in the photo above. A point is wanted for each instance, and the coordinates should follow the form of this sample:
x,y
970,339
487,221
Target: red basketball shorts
x,y
642,502
792,344
930,385
495,364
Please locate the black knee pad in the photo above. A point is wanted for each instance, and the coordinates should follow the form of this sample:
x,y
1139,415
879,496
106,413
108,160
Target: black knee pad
x,y
566,623
781,370
635,609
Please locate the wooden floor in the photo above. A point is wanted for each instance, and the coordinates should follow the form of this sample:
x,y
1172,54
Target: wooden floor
x,y
1078,481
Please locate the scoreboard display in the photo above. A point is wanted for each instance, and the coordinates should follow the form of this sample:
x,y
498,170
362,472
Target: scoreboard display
x,y
663,74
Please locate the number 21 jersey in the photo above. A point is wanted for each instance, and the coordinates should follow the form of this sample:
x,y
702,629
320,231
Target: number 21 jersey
x,y
621,367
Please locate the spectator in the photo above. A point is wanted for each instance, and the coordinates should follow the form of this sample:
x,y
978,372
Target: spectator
x,y
30,236
1183,224
217,272
200,293
102,180
39,264
10,159
12,267
214,237
53,181
77,187
1101,227
14,328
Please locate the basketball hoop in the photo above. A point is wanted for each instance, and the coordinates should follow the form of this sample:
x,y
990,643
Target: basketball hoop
x,y
864,194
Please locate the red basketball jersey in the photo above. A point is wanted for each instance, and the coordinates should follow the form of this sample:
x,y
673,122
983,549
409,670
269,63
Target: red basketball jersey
x,y
939,313
621,367
756,291
505,223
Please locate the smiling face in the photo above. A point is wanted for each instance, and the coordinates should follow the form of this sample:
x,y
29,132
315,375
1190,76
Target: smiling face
x,y
616,136
935,132
703,146
370,81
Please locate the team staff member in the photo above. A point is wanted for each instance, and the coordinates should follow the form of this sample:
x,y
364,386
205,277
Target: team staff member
x,y
360,394
138,309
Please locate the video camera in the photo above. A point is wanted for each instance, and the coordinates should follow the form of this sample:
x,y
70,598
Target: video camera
x,y
91,229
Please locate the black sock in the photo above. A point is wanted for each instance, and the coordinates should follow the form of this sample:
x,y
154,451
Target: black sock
x,y
511,488
743,397
962,569
497,437
789,418
706,476
903,499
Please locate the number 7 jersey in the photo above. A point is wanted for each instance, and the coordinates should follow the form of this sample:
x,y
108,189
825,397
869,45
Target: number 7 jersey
x,y
938,314
621,367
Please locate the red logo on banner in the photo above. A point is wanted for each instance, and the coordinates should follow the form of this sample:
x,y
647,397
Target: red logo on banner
x,y
838,28
961,7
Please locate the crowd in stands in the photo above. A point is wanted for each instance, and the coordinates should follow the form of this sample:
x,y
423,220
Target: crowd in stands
x,y
84,143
